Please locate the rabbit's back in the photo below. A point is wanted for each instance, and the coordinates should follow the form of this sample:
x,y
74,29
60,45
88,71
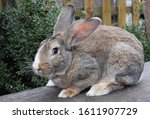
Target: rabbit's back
x,y
104,38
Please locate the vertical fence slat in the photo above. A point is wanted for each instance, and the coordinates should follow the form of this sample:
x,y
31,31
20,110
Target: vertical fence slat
x,y
121,13
88,7
106,12
135,12
1,5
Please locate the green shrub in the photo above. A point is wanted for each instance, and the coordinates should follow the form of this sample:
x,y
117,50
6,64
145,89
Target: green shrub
x,y
21,31
140,33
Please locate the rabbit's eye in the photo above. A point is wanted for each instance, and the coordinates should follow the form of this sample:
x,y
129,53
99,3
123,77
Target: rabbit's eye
x,y
55,51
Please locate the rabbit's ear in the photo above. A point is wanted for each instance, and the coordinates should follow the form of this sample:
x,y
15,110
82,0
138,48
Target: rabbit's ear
x,y
64,19
81,29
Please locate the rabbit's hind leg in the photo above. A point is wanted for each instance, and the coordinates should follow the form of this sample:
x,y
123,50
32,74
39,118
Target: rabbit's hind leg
x,y
123,67
106,86
103,88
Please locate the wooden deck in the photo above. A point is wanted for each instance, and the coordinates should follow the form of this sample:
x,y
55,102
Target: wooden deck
x,y
137,93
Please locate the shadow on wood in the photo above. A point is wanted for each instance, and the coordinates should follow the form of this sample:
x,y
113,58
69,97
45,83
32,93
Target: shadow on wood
x,y
137,93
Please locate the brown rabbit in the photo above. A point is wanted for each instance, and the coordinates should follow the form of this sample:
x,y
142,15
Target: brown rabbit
x,y
85,53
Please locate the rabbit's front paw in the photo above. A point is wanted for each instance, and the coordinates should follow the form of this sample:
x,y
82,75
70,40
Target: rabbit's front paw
x,y
69,92
50,83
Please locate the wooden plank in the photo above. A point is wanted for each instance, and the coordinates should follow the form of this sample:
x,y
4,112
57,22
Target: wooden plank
x,y
88,7
121,13
1,5
136,93
106,12
135,12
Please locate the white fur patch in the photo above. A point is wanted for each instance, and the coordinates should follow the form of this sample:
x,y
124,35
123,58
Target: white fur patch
x,y
97,18
141,77
92,92
50,83
98,90
62,94
36,62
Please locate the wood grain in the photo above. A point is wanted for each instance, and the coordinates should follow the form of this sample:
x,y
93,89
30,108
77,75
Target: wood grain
x,y
135,12
121,13
106,12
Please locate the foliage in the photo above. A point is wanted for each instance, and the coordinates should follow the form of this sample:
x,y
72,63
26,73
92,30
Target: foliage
x,y
140,7
21,31
139,32
142,36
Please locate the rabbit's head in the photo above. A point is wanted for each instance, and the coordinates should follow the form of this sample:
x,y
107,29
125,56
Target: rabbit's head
x,y
52,57
55,53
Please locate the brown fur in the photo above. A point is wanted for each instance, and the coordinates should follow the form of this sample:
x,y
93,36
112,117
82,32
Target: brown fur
x,y
72,91
104,57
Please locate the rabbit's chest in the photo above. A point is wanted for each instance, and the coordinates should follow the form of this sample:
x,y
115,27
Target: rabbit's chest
x,y
80,68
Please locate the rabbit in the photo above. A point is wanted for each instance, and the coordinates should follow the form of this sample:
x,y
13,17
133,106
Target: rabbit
x,y
85,53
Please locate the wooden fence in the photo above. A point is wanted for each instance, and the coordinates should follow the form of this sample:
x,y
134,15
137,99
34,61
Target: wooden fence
x,y
111,13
